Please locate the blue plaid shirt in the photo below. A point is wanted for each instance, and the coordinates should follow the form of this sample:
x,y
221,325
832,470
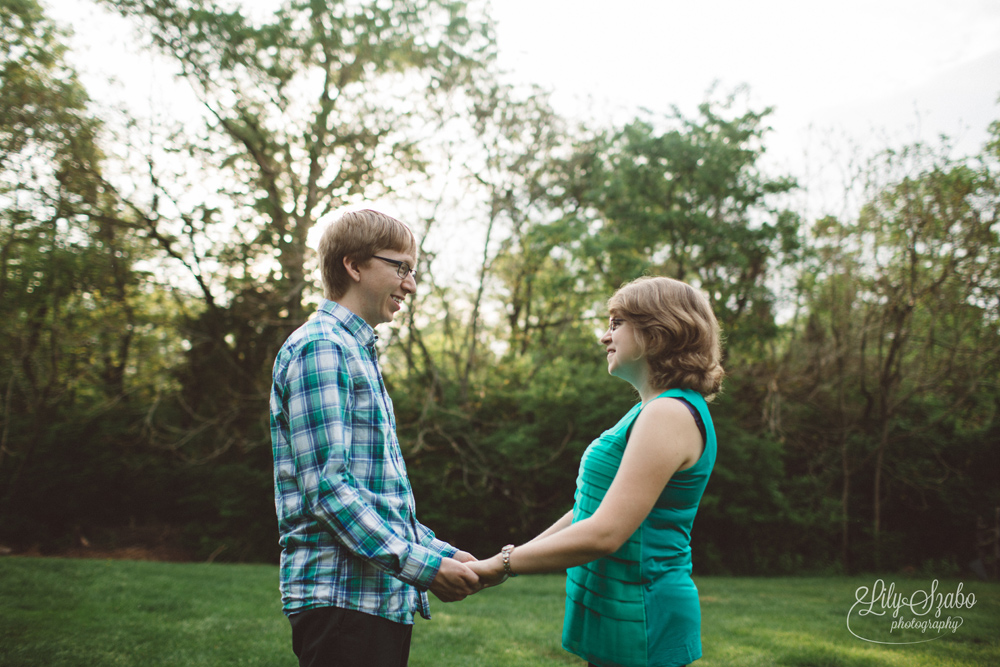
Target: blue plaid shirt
x,y
346,520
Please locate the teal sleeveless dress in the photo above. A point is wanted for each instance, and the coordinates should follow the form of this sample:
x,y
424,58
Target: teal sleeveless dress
x,y
639,607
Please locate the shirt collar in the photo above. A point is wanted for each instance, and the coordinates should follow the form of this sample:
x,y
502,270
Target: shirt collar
x,y
358,328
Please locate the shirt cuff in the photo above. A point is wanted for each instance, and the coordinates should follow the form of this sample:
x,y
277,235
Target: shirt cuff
x,y
421,567
443,548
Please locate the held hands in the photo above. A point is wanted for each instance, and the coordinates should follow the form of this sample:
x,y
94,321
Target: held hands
x,y
462,575
455,580
490,571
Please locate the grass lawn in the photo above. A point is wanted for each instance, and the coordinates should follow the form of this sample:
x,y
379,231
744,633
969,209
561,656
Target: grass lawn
x,y
62,613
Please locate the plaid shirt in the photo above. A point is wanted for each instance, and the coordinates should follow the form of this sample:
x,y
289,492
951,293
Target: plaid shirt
x,y
345,508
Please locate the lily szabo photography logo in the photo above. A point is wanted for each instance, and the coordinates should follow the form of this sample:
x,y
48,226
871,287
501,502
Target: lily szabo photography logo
x,y
883,615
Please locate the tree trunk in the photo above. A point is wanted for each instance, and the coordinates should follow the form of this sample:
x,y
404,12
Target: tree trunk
x,y
845,522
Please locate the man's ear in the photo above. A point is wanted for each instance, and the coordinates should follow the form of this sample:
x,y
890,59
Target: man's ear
x,y
353,269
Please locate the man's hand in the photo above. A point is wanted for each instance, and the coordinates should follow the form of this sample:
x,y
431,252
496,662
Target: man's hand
x,y
454,581
464,557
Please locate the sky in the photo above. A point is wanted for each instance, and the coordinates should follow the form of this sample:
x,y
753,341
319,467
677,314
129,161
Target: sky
x,y
883,64
876,71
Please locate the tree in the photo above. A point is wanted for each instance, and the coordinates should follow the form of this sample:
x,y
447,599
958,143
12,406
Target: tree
x,y
900,341
931,322
73,308
306,110
691,203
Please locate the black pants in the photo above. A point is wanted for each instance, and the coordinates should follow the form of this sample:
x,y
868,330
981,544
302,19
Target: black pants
x,y
334,637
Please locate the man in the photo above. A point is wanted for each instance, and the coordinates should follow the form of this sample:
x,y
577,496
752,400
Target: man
x,y
355,563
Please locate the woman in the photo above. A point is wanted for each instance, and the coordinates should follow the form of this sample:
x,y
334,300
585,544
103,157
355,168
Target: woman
x,y
630,599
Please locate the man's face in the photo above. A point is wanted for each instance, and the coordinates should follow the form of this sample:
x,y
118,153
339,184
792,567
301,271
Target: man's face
x,y
383,289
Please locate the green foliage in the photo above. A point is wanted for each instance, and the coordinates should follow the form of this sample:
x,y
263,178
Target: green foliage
x,y
506,469
42,105
899,354
227,510
74,309
687,201
745,521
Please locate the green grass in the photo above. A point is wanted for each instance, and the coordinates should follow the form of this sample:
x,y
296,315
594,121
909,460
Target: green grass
x,y
57,612
802,622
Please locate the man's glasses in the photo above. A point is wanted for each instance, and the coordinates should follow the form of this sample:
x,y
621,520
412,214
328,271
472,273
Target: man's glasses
x,y
403,269
614,323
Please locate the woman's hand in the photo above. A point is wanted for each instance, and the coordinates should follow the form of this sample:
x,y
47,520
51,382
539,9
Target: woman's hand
x,y
490,571
464,557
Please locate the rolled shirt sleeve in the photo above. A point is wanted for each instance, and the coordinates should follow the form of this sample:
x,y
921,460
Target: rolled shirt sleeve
x,y
427,539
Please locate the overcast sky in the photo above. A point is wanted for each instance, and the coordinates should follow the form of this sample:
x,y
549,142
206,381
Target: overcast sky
x,y
886,65
873,70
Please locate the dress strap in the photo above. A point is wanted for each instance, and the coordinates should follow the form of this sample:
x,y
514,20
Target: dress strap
x,y
694,413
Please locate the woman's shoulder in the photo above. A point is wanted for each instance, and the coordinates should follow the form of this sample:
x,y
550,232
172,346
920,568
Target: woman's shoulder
x,y
667,407
679,418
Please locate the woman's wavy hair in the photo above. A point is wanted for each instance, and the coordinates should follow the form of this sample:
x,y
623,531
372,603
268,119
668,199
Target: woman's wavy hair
x,y
358,235
676,331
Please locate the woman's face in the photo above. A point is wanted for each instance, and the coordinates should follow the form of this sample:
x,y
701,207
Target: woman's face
x,y
625,358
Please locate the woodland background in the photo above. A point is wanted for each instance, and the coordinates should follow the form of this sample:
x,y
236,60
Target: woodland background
x,y
150,269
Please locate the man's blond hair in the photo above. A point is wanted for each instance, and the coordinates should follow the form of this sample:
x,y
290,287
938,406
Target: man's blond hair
x,y
358,235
